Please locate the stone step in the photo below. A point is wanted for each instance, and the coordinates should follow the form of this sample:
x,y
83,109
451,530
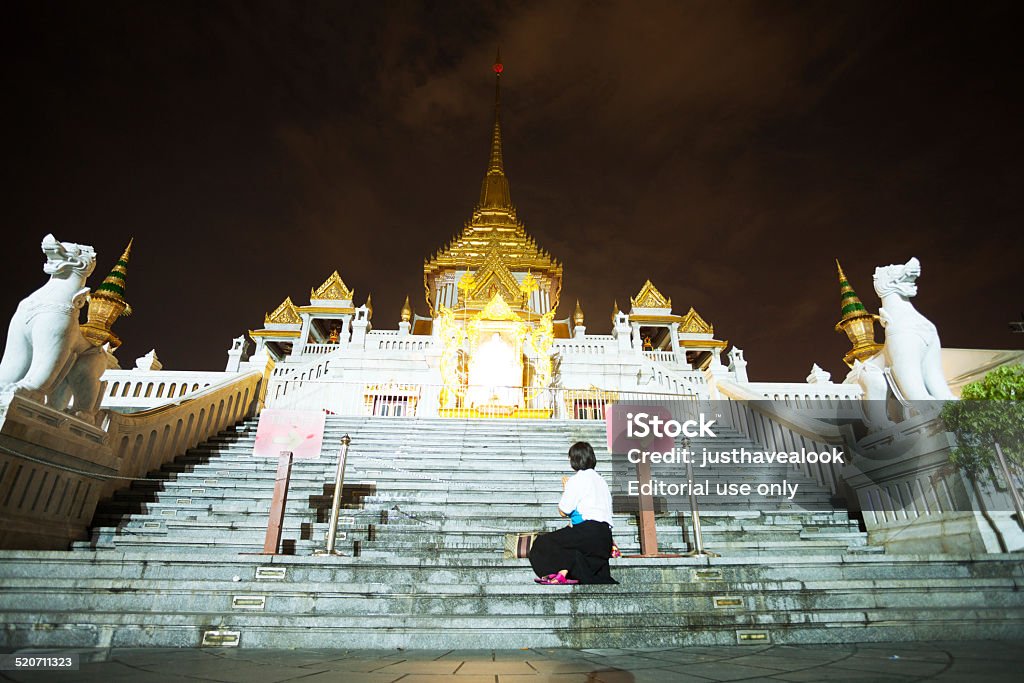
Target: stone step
x,y
428,631
455,600
440,497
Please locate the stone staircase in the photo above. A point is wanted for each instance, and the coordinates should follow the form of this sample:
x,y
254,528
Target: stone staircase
x,y
172,560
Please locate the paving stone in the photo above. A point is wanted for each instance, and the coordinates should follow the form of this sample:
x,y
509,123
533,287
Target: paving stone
x,y
543,678
836,675
723,671
506,668
422,667
335,677
563,666
442,678
647,676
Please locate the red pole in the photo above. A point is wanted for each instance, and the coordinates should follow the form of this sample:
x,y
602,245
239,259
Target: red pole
x,y
275,523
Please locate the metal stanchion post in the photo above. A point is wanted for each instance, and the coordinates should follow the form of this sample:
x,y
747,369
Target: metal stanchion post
x,y
698,536
339,479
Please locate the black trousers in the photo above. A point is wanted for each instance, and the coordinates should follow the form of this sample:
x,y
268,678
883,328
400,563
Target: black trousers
x,y
583,549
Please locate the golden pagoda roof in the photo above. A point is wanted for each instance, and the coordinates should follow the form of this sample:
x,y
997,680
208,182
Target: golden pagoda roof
x,y
694,324
285,314
333,289
650,297
494,227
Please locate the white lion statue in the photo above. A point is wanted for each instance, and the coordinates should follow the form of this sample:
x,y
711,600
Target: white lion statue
x,y
910,362
44,341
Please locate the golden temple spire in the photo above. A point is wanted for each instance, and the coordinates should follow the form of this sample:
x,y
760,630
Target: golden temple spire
x,y
107,303
856,322
577,317
494,192
406,310
849,301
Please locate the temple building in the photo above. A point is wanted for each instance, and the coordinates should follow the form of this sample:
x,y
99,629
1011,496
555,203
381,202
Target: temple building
x,y
487,340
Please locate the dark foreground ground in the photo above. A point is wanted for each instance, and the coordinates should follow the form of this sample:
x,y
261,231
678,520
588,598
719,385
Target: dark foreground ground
x,y
934,661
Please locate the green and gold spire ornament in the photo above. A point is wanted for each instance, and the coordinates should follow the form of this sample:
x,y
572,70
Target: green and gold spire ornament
x,y
107,304
856,322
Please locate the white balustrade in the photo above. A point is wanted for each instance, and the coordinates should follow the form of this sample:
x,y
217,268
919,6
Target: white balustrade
x,y
802,395
403,400
142,389
319,349
582,347
410,343
668,357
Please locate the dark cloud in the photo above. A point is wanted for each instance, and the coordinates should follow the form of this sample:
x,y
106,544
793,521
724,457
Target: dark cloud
x,y
729,151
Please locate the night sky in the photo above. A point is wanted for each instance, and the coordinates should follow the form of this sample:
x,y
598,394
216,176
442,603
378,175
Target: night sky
x,y
729,151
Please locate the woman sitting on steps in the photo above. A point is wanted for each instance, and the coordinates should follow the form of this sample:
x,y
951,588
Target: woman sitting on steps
x,y
578,553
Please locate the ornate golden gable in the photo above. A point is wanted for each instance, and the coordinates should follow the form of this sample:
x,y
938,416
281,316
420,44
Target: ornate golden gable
x,y
650,297
495,278
497,309
332,289
285,314
694,324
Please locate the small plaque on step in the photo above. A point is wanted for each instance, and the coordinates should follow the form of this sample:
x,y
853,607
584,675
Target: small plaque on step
x,y
270,573
752,637
168,513
195,491
210,482
183,501
221,638
707,575
811,529
346,521
151,525
256,602
726,601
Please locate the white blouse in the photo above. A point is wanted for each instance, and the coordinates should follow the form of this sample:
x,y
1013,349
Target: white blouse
x,y
587,492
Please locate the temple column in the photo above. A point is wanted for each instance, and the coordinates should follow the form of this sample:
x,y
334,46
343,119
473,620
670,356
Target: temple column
x,y
673,333
345,333
300,346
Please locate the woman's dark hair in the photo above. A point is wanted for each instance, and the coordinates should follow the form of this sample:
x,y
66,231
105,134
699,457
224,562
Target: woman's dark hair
x,y
581,456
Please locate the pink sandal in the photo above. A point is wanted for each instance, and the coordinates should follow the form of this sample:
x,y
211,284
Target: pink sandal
x,y
544,579
558,580
616,553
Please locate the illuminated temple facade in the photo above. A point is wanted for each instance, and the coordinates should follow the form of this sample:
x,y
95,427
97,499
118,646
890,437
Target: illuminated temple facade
x,y
487,340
